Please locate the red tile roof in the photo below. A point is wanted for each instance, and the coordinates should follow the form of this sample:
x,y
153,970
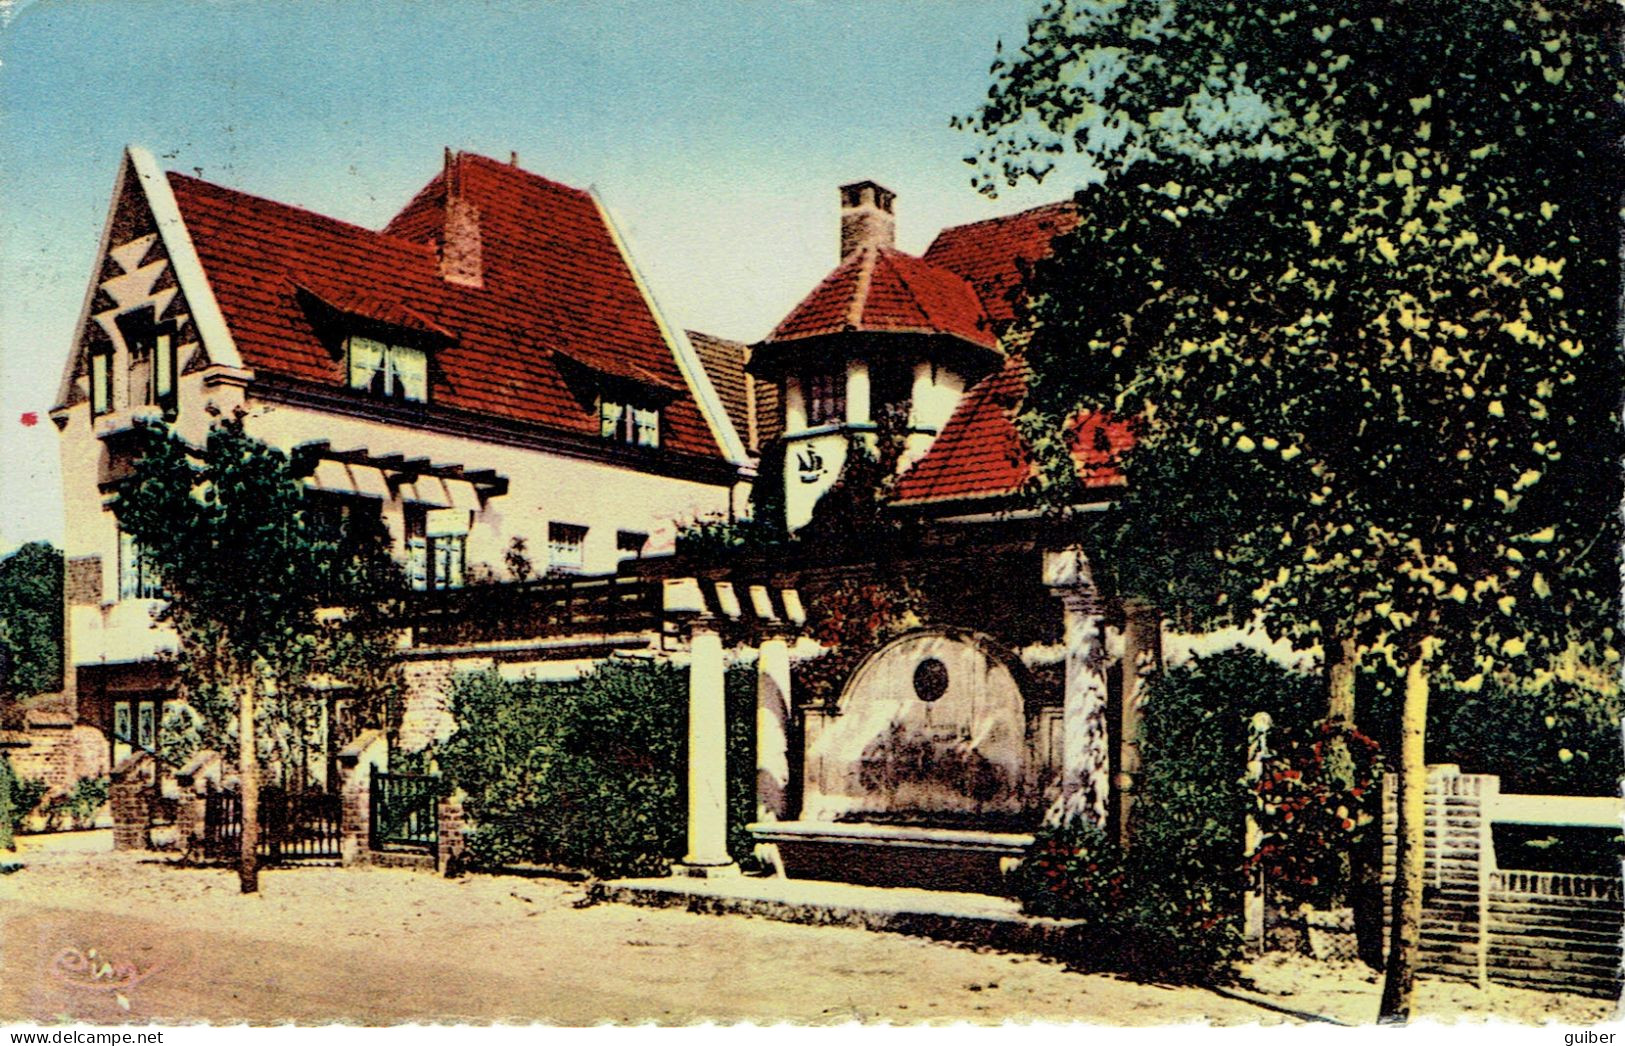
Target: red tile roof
x,y
881,289
990,254
980,453
554,282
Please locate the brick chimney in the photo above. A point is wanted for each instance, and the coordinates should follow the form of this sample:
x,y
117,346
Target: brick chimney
x,y
460,257
866,217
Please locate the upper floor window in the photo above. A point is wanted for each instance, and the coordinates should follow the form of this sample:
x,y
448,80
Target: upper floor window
x,y
826,399
101,379
154,370
566,547
628,423
137,577
393,372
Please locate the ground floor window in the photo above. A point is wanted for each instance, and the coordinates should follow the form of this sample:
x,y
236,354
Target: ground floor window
x,y
436,547
629,543
136,724
137,579
566,548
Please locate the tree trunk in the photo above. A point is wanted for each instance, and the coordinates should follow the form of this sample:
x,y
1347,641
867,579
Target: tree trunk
x,y
1342,659
1404,941
248,773
1361,865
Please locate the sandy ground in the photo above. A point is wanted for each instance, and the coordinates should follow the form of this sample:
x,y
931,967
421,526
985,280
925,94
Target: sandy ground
x,y
382,946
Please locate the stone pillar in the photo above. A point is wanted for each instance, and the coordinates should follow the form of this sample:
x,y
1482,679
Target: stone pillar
x,y
857,393
452,842
795,407
1142,659
707,756
368,752
1253,900
772,729
1085,755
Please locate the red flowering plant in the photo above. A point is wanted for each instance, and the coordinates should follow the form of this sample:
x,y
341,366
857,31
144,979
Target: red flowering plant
x,y
850,619
1073,871
1315,800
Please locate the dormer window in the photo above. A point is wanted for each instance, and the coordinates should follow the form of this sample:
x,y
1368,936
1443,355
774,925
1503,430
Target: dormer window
x,y
388,371
628,423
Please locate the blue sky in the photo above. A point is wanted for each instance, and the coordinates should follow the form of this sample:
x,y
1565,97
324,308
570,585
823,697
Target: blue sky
x,y
716,131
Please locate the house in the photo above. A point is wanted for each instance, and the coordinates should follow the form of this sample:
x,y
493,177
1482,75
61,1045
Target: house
x,y
487,374
1016,690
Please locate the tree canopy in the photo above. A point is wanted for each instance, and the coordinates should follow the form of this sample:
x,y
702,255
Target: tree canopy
x,y
272,595
1364,319
246,560
31,620
1353,272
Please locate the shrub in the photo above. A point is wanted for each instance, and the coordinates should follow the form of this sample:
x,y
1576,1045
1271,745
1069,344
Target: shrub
x,y
590,774
7,779
1073,871
1176,904
18,798
1312,812
87,797
1559,736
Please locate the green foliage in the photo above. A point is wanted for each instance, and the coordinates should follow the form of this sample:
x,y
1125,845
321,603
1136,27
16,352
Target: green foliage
x,y
1073,871
8,780
1556,736
88,796
1171,905
30,621
18,799
1352,270
592,773
232,519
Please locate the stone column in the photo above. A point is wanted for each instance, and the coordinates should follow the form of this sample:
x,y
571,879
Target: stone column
x,y
795,407
1142,659
707,756
772,729
1085,755
857,393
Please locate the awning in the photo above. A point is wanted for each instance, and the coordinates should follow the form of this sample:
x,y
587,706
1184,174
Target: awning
x,y
442,493
341,477
385,476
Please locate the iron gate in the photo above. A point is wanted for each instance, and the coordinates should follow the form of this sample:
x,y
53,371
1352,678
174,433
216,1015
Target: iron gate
x,y
294,826
405,812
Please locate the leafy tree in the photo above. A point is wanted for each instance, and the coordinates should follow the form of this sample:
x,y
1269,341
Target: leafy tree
x,y
247,565
30,621
1353,271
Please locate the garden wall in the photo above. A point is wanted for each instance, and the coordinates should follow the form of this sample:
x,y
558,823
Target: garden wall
x,y
1544,930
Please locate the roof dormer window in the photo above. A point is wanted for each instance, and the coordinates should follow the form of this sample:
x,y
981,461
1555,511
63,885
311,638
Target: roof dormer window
x,y
628,423
388,371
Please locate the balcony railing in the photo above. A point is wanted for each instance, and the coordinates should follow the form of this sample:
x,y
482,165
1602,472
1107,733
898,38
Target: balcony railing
x,y
569,606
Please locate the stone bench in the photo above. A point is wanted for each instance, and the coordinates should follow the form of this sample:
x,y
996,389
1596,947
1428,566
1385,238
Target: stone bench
x,y
894,855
